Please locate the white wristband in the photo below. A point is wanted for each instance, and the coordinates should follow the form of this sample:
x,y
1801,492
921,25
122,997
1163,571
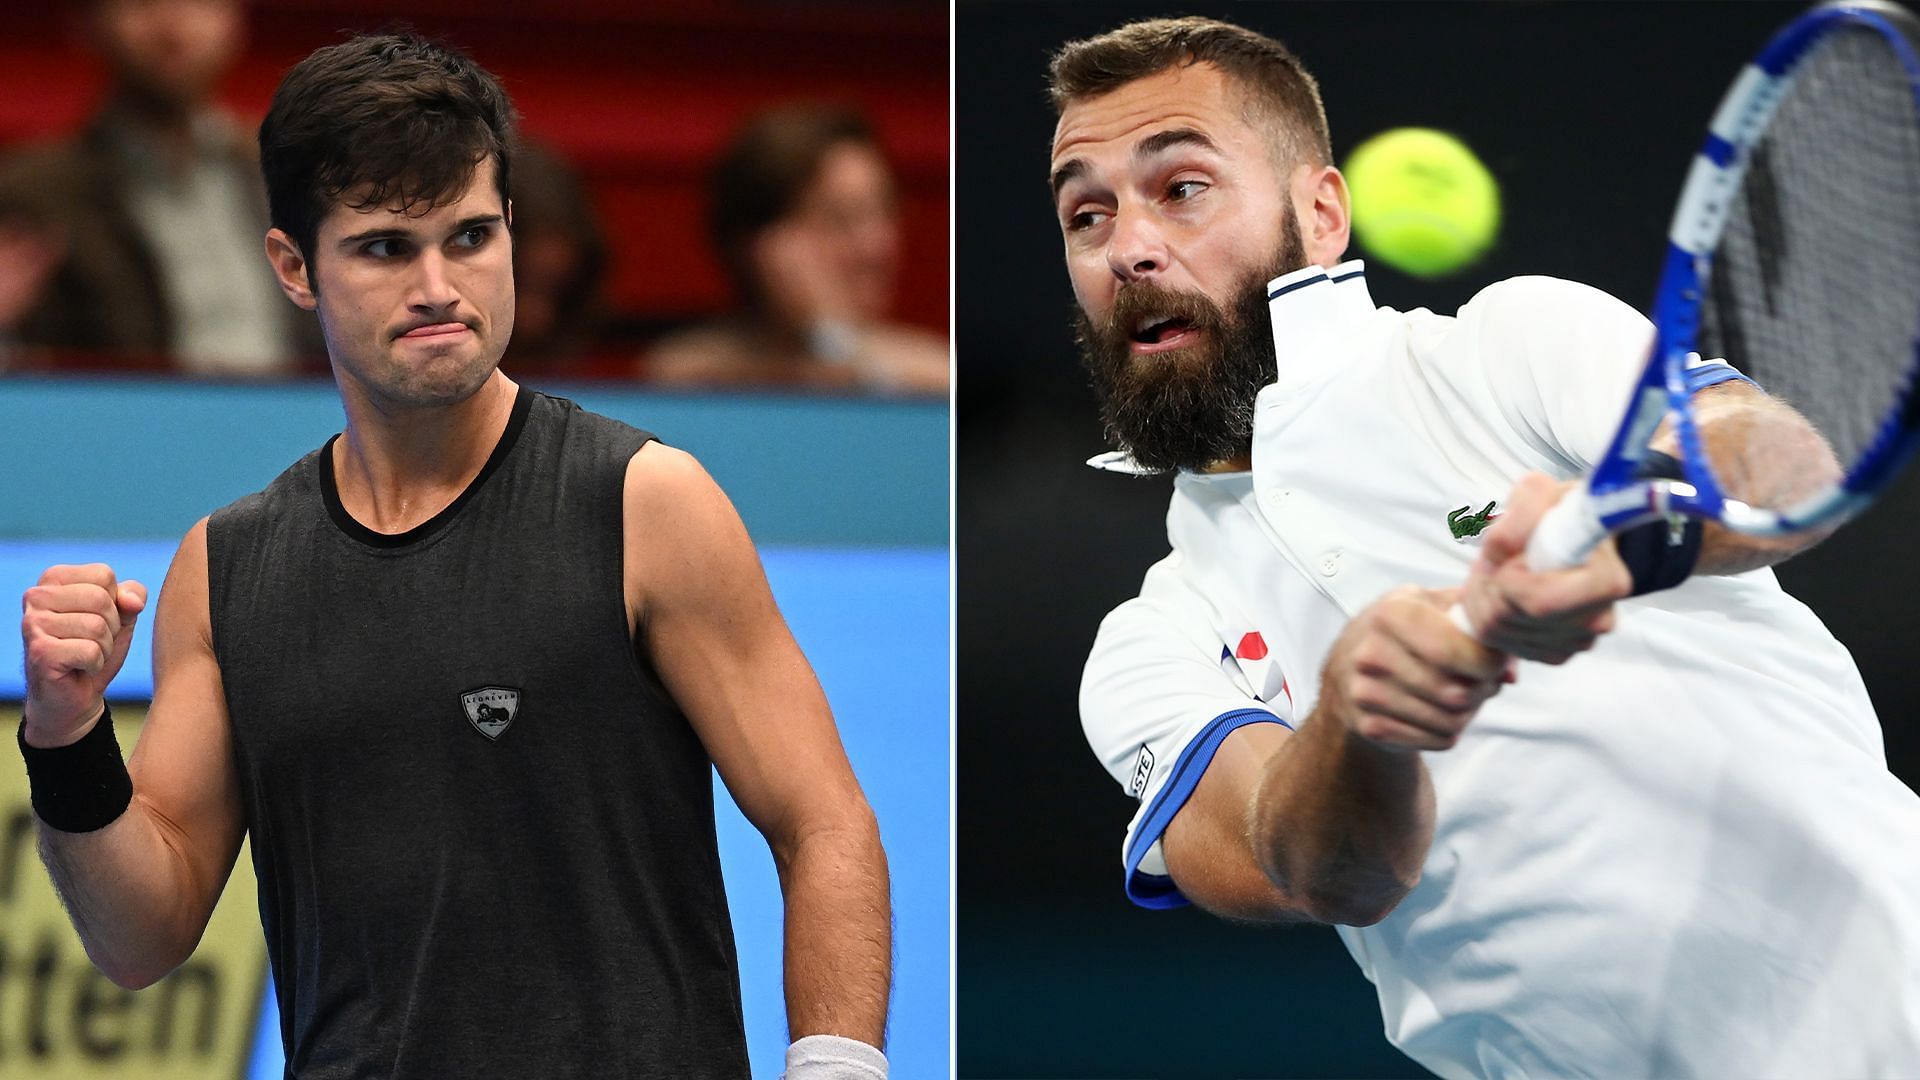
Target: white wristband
x,y
832,1057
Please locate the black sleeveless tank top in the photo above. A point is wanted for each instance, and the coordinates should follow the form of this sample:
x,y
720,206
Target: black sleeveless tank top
x,y
483,831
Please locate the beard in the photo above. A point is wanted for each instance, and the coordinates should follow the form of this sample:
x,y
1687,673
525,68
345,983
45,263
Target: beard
x,y
1190,407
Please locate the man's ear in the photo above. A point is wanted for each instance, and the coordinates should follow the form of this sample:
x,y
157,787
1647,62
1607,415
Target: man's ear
x,y
290,267
1325,211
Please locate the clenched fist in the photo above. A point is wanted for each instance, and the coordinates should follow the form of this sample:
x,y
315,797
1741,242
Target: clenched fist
x,y
77,625
1549,615
1404,677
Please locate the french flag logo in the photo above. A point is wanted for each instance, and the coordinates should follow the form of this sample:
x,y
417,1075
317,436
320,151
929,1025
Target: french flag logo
x,y
1256,673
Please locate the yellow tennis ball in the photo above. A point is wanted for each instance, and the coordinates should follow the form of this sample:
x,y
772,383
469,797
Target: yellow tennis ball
x,y
1422,202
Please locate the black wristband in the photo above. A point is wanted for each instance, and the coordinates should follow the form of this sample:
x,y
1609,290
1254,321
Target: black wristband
x,y
82,786
1660,554
1655,465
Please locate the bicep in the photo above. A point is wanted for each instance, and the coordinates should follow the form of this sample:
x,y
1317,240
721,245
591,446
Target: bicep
x,y
708,621
184,776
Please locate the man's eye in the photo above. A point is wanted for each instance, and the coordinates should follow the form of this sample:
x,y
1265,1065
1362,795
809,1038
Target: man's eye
x,y
1085,219
473,237
1180,190
384,248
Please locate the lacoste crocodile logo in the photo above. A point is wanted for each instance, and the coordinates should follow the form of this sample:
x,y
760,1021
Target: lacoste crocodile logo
x,y
1464,524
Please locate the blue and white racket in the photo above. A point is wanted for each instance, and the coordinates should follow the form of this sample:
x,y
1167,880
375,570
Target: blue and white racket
x,y
1794,255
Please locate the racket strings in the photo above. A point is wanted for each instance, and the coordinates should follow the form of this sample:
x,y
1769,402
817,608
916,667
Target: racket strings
x,y
1814,290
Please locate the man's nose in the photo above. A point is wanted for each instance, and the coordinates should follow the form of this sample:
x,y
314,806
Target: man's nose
x,y
1137,247
433,286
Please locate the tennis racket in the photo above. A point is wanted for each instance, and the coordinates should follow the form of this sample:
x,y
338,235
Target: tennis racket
x,y
1794,254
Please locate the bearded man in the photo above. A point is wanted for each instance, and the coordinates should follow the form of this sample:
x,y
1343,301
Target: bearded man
x,y
1560,880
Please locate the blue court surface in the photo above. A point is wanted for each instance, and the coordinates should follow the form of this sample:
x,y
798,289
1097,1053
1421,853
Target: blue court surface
x,y
875,625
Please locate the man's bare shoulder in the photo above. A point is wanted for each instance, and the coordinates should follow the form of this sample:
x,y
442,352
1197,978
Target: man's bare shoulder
x,y
658,471
671,500
684,542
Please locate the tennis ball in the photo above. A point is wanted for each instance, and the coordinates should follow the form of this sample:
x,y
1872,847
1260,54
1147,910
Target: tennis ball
x,y
1422,202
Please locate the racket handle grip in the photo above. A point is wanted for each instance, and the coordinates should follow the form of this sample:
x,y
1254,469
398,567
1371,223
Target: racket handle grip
x,y
1567,533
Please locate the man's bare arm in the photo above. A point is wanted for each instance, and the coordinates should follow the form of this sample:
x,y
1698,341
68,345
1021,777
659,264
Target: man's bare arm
x,y
141,889
1332,823
1764,453
706,617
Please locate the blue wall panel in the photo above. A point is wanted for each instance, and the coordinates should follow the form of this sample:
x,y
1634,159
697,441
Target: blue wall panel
x,y
134,458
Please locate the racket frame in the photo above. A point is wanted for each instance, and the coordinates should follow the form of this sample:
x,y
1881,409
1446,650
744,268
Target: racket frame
x,y
1617,497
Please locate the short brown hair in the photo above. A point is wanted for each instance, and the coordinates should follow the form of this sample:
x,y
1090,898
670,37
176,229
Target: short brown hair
x,y
380,119
1279,86
764,170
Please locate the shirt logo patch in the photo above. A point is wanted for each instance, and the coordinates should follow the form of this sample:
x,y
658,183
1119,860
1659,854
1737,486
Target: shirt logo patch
x,y
1253,671
1252,646
490,708
1142,772
1464,524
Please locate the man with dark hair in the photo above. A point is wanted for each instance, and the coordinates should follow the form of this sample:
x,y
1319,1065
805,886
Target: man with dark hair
x,y
461,674
153,212
804,219
1579,884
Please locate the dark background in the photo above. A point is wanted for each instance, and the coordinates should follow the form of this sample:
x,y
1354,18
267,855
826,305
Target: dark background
x,y
1588,113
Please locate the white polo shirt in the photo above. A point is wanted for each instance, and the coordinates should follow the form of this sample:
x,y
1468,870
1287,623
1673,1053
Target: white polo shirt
x,y
1680,854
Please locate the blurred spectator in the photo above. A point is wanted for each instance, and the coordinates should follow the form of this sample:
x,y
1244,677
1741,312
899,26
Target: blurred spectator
x,y
30,252
807,228
155,208
559,262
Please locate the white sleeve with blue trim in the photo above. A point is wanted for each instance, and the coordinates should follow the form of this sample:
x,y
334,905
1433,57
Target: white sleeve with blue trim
x,y
1160,693
1550,364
